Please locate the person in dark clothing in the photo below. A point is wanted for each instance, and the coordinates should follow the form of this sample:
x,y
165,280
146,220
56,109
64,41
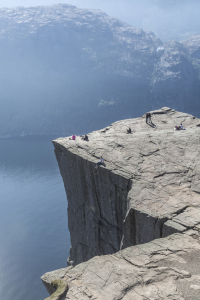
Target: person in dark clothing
x,y
128,130
100,162
85,137
148,118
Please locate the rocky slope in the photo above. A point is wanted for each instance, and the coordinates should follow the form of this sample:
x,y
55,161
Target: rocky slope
x,y
65,69
147,194
161,270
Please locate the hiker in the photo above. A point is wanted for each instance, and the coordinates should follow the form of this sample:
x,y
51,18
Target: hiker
x,y
148,117
181,126
128,130
100,162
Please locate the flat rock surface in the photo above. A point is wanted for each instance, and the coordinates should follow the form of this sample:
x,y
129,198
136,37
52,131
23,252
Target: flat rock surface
x,y
167,268
162,164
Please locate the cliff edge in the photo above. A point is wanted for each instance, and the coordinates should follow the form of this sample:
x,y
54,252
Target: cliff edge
x,y
148,188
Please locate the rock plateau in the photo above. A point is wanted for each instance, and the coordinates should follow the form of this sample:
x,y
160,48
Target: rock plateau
x,y
134,221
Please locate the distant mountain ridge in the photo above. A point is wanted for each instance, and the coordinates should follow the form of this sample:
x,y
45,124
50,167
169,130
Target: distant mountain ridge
x,y
66,70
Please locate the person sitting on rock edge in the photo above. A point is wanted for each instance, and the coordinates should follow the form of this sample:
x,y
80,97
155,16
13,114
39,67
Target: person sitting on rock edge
x,y
85,138
128,130
179,127
73,137
100,162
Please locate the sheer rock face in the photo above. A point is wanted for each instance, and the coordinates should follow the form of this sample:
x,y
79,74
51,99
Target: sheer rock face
x,y
134,221
148,188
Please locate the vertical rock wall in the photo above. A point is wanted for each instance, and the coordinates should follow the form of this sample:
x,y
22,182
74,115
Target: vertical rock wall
x,y
140,228
97,206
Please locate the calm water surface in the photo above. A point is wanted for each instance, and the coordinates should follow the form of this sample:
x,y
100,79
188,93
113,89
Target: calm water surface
x,y
33,217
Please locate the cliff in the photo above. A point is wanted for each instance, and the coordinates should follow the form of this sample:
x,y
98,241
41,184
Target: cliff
x,y
150,176
61,64
147,189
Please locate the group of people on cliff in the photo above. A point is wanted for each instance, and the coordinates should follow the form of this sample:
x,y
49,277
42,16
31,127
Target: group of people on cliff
x,y
148,121
83,137
179,127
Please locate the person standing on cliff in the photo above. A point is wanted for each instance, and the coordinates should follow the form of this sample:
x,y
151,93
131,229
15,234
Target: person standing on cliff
x,y
148,118
100,162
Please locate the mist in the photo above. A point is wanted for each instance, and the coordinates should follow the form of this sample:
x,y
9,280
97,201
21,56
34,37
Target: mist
x,y
65,69
172,19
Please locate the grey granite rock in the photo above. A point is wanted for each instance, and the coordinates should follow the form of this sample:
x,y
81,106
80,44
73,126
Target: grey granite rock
x,y
150,177
141,208
163,269
171,227
50,276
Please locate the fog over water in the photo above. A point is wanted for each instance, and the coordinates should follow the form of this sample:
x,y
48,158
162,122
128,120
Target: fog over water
x,y
172,19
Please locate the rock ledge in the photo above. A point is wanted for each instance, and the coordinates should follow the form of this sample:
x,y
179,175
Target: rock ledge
x,y
145,200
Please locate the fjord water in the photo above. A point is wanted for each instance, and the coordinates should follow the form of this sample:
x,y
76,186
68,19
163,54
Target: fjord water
x,y
33,217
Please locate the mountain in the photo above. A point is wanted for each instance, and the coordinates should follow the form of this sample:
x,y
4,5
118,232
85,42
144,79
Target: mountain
x,y
67,70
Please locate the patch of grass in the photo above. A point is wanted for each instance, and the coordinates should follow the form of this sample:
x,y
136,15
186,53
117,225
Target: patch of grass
x,y
60,286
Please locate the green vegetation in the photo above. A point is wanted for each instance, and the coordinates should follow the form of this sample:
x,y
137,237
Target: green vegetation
x,y
61,287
